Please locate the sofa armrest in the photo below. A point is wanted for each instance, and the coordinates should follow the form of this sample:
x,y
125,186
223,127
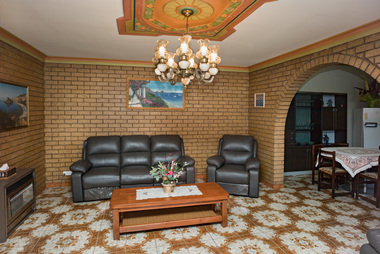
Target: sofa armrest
x,y
186,159
190,170
373,236
81,166
216,161
252,163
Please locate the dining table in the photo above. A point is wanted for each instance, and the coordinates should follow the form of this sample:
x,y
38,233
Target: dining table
x,y
354,159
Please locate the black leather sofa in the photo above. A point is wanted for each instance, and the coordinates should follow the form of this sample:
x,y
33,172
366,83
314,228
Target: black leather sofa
x,y
373,245
236,167
111,162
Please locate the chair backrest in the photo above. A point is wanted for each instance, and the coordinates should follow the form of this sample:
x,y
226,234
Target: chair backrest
x,y
165,148
135,150
326,155
102,151
237,149
315,151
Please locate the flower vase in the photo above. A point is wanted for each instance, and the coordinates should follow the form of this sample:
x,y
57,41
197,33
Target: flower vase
x,y
168,188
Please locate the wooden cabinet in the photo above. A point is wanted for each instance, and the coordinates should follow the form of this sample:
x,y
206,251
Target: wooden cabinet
x,y
311,117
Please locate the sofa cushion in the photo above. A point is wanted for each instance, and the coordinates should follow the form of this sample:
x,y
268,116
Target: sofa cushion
x,y
165,148
237,149
232,174
103,151
101,177
135,150
136,174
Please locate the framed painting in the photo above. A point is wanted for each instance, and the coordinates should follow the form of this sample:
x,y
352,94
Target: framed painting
x,y
14,106
153,94
260,100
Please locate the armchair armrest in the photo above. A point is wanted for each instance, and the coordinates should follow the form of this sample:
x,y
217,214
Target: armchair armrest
x,y
81,166
186,159
252,163
216,161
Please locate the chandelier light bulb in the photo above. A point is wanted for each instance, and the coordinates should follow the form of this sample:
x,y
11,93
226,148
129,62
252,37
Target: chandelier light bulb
x,y
162,51
213,71
204,66
162,67
157,71
184,64
207,75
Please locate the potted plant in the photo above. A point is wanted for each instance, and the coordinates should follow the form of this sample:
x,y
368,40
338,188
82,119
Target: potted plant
x,y
169,173
370,93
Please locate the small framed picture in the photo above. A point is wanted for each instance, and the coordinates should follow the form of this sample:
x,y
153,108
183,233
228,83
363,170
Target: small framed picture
x,y
260,100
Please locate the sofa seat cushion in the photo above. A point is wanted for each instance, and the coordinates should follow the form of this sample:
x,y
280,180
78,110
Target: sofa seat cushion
x,y
136,174
232,174
101,177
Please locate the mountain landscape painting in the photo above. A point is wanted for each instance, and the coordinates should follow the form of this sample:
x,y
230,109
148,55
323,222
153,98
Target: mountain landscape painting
x,y
13,106
150,94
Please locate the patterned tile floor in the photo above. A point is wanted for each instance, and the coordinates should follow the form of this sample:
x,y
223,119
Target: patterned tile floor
x,y
295,219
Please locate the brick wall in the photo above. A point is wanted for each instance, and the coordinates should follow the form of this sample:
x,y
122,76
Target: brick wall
x,y
24,147
282,81
90,100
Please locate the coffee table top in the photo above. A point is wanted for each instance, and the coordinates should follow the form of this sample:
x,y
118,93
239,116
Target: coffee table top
x,y
125,198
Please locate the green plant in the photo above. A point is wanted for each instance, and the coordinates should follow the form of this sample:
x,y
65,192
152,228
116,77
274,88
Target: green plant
x,y
168,172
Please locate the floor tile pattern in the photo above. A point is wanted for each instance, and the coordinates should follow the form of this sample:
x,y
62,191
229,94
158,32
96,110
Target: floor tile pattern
x,y
295,219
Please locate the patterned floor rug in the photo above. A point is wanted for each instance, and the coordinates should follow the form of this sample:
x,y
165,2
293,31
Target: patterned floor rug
x,y
295,219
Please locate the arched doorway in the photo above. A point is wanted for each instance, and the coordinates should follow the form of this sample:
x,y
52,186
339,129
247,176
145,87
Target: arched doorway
x,y
281,82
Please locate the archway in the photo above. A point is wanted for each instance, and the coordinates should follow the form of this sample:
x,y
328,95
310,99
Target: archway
x,y
298,78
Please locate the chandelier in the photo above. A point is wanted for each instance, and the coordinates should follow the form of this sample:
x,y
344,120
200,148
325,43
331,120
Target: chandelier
x,y
185,68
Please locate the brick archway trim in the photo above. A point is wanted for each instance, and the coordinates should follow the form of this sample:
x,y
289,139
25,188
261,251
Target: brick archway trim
x,y
298,78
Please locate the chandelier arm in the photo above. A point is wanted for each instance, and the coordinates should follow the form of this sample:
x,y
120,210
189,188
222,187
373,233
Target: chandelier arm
x,y
209,80
162,78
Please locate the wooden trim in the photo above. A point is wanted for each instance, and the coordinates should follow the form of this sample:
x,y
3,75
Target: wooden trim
x,y
273,186
16,42
358,32
97,61
54,185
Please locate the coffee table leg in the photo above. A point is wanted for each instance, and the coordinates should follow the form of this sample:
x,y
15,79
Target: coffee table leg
x,y
224,213
116,224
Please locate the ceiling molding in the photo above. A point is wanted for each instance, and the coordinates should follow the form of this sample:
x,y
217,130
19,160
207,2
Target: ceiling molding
x,y
367,29
358,32
214,20
99,61
16,42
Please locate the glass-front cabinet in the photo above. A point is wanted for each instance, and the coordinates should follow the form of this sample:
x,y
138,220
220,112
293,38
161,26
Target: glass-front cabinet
x,y
313,118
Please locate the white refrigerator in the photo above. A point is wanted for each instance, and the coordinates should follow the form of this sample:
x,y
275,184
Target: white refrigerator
x,y
366,132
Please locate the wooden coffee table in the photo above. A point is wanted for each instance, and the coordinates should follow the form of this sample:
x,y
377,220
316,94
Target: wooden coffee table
x,y
131,215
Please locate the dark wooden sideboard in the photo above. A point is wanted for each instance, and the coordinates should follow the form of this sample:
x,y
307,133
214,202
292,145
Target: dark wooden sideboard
x,y
17,200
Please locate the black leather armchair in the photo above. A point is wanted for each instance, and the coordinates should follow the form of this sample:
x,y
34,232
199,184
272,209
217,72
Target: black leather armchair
x,y
236,167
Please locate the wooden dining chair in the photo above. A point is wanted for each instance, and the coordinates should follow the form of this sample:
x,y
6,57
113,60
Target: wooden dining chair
x,y
333,171
373,178
314,156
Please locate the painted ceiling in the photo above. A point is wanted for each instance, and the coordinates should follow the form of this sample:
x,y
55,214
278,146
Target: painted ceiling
x,y
212,19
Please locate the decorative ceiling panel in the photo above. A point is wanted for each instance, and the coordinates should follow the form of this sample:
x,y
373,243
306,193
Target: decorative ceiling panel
x,y
212,19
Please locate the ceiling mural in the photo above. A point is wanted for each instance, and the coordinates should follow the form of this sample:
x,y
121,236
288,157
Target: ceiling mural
x,y
212,19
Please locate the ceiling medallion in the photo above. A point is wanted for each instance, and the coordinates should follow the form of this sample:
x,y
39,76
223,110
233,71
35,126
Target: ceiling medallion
x,y
212,19
185,68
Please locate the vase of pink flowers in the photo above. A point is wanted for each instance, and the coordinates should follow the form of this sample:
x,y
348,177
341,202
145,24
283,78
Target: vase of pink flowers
x,y
169,173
